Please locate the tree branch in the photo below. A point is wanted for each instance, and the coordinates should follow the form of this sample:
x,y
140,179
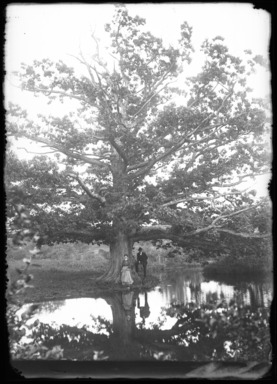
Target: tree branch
x,y
153,93
93,82
92,195
212,226
88,235
68,153
213,113
37,153
245,235
61,93
158,232
241,177
119,151
233,213
203,95
168,152
173,202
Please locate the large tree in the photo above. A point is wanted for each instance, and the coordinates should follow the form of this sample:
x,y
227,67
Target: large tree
x,y
127,162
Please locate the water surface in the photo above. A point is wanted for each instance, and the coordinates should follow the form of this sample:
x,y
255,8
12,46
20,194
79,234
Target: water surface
x,y
188,317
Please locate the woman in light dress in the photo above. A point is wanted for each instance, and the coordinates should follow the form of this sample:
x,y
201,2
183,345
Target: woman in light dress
x,y
126,277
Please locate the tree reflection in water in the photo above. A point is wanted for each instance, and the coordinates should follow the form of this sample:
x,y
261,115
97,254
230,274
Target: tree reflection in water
x,y
122,345
215,330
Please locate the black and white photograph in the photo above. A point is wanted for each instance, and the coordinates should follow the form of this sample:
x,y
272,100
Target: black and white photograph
x,y
137,174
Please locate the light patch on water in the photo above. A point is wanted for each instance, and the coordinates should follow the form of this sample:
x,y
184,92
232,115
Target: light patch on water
x,y
213,287
72,312
168,324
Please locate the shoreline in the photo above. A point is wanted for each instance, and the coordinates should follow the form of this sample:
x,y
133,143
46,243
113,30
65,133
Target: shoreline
x,y
56,281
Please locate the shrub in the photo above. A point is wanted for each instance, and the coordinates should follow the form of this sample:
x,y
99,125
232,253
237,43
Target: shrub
x,y
17,328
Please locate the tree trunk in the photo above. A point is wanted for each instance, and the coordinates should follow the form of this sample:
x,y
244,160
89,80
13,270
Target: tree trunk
x,y
121,243
118,248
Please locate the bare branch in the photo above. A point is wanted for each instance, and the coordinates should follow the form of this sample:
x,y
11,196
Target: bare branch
x,y
86,65
36,153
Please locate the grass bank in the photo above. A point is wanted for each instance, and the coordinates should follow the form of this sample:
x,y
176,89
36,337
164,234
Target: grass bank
x,y
54,283
71,270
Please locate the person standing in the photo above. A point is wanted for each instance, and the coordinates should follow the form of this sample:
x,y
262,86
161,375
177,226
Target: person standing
x,y
141,259
126,278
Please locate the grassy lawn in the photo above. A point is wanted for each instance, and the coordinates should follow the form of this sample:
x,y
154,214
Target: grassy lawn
x,y
53,280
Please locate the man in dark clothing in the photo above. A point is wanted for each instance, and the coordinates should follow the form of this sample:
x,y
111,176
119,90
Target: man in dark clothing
x,y
141,259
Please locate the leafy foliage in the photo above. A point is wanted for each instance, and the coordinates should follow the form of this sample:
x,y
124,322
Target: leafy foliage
x,y
17,327
224,332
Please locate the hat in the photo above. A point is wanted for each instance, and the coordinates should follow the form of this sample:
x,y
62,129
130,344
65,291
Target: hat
x,y
140,249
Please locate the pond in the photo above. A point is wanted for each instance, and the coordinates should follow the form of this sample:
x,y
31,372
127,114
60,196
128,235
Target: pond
x,y
188,317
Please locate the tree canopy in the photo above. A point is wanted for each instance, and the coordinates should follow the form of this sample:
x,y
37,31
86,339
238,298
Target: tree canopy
x,y
127,161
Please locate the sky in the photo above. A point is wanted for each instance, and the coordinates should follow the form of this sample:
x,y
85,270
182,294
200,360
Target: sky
x,y
35,31
56,29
